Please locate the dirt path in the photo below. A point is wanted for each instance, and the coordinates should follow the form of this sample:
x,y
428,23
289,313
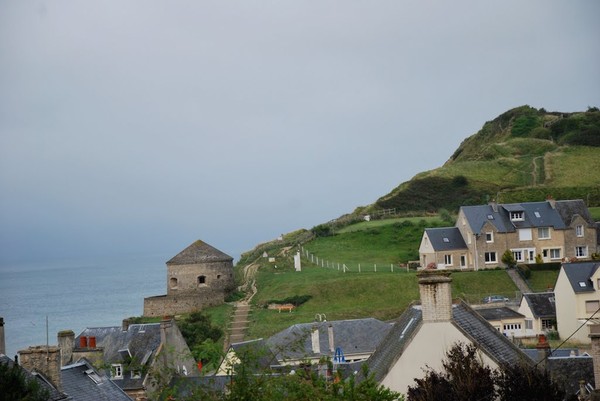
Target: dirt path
x,y
239,319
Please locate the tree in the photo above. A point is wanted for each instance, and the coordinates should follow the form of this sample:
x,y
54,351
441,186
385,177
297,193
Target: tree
x,y
464,377
15,385
508,258
526,383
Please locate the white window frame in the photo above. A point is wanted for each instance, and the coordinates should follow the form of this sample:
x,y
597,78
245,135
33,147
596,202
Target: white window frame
x,y
579,230
528,324
490,257
581,251
463,260
448,259
117,370
544,233
525,234
517,215
547,324
518,255
592,306
489,237
554,253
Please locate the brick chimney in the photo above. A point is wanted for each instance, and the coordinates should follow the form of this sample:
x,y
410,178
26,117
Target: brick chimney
x,y
436,295
66,343
315,340
43,359
543,351
595,336
2,342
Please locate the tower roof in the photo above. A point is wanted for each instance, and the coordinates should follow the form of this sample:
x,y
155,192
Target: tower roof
x,y
199,252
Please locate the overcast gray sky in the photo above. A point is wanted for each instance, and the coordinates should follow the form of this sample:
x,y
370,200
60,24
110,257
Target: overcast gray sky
x,y
141,126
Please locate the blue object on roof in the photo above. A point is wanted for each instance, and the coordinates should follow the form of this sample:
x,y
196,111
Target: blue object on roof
x,y
339,355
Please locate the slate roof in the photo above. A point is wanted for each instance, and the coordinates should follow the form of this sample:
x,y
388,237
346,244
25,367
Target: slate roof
x,y
199,252
542,304
569,371
257,352
445,238
54,394
84,383
535,214
354,336
142,341
467,320
534,355
498,313
579,275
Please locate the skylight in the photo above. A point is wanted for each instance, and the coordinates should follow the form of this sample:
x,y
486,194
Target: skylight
x,y
582,284
490,217
446,239
537,214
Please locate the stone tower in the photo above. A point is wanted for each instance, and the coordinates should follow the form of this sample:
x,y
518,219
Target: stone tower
x,y
197,277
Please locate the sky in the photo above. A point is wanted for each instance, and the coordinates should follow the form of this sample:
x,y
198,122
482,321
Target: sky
x,y
137,127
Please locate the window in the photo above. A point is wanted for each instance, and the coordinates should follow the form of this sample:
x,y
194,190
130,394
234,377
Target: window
x,y
512,326
581,251
555,253
516,215
201,280
136,374
463,263
525,234
489,237
579,230
547,324
528,324
592,306
448,260
518,255
117,371
490,257
173,282
544,233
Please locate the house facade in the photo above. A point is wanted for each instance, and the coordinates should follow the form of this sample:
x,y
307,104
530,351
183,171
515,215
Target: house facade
x,y
552,231
539,309
577,294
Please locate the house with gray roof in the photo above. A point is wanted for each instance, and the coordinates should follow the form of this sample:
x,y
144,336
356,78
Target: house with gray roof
x,y
133,354
504,319
423,334
54,394
539,309
551,231
342,341
577,296
83,382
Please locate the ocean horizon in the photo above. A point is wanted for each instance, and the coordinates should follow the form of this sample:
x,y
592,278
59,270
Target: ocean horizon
x,y
74,294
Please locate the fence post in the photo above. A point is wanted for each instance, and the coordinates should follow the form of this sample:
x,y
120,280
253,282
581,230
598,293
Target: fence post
x,y
392,267
375,266
344,268
359,267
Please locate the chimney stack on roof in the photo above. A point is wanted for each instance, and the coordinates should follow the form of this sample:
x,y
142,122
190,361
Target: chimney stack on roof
x,y
330,337
66,343
595,336
551,201
315,340
2,343
543,349
436,295
43,359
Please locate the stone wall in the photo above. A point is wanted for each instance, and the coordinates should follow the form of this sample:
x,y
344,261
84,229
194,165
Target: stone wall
x,y
43,359
436,295
184,279
163,305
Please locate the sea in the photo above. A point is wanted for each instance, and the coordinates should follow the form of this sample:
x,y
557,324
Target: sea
x,y
37,300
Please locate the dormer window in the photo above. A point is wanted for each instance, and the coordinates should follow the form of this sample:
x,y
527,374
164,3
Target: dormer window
x,y
516,215
117,371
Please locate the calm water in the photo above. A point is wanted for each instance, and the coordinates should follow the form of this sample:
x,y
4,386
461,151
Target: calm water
x,y
74,295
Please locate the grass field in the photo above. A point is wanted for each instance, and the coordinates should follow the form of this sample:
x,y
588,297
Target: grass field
x,y
541,280
355,295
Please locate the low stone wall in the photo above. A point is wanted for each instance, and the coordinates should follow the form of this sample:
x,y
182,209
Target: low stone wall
x,y
170,305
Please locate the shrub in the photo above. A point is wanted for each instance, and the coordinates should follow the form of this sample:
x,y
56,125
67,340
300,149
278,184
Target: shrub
x,y
508,258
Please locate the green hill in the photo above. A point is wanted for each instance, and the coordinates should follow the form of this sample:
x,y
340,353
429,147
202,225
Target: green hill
x,y
523,155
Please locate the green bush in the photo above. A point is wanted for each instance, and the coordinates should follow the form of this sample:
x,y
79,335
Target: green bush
x,y
525,271
295,300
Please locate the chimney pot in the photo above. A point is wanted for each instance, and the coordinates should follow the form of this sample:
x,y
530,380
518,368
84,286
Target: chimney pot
x,y
83,342
436,295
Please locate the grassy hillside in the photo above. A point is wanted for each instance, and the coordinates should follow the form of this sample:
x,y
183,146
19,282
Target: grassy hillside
x,y
523,155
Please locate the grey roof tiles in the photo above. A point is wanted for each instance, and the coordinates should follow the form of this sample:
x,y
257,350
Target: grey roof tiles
x,y
199,252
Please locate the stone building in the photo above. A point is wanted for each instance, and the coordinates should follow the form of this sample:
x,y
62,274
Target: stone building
x,y
197,277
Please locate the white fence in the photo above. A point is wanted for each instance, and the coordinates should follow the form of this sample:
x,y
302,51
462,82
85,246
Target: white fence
x,y
352,267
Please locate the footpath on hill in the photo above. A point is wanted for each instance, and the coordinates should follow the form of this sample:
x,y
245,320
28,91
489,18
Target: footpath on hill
x,y
239,318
